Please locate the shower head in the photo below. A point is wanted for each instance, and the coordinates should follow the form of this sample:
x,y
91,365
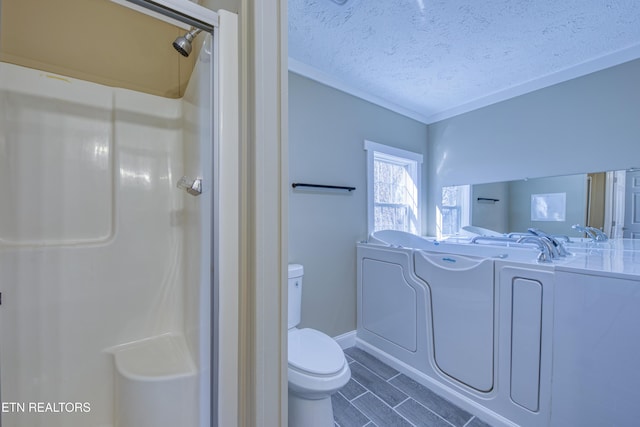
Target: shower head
x,y
183,43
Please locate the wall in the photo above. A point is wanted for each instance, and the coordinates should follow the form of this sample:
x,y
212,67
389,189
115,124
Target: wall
x,y
512,213
583,125
216,5
327,129
575,189
95,40
493,216
263,182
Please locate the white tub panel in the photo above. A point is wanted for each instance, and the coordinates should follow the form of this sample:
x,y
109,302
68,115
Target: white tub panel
x,y
462,308
595,354
526,330
389,303
414,328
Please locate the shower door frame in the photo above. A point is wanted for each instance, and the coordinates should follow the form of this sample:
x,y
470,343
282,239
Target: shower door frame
x,y
218,408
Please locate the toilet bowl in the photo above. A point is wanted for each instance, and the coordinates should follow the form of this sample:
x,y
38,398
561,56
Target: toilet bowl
x,y
317,367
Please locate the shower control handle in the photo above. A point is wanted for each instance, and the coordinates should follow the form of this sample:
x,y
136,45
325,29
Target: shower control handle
x,y
191,186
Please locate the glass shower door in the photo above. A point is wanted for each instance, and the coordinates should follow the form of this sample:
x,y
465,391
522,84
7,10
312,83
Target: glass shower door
x,y
104,261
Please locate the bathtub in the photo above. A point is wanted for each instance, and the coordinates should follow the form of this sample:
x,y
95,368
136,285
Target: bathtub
x,y
460,245
433,311
484,326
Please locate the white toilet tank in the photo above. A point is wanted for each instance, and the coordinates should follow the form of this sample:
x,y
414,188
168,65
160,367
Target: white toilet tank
x,y
296,271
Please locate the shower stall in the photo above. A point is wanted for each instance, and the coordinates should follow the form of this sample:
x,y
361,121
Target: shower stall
x,y
116,256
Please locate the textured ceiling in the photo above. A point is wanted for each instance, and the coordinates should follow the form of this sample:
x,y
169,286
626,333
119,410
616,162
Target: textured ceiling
x,y
432,59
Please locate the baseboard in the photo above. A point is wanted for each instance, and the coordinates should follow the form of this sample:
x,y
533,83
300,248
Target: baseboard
x,y
346,340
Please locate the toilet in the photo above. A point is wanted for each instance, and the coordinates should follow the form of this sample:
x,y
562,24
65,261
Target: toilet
x,y
317,367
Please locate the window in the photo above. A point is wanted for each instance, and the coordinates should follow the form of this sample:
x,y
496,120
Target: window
x,y
454,210
393,185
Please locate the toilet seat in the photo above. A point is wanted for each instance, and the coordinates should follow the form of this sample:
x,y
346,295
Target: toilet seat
x,y
314,353
317,366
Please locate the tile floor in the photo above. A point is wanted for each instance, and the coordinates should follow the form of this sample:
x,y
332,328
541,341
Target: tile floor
x,y
378,395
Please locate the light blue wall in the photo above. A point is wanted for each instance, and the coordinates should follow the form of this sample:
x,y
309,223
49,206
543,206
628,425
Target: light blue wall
x,y
493,216
588,124
512,213
575,189
327,129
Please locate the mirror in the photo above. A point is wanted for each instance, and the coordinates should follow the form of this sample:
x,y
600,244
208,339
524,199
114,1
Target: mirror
x,y
609,201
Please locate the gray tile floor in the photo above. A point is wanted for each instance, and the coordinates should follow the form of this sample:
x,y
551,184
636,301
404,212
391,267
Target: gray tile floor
x,y
378,395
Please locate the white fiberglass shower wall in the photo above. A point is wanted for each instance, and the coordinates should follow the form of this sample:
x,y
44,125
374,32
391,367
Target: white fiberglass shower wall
x,y
107,269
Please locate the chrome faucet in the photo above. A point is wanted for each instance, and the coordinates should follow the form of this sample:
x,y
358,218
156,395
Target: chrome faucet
x,y
594,234
558,247
546,251
584,230
601,236
544,245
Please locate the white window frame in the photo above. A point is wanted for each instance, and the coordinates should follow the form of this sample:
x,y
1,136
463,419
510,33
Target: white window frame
x,y
414,160
463,206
